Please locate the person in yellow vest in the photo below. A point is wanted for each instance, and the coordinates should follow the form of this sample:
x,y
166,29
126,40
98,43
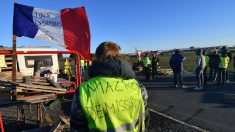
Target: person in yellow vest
x,y
82,65
112,100
67,68
90,62
147,66
223,66
205,69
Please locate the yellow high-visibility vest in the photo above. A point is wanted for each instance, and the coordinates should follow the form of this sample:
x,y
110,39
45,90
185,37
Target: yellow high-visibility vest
x,y
112,104
224,62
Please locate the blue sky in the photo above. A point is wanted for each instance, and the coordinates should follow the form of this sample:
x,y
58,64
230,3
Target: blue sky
x,y
142,24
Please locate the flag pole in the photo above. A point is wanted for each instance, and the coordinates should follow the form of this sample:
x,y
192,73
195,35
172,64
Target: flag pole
x,y
14,59
14,55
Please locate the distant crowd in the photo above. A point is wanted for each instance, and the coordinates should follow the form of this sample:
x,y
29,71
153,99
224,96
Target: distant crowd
x,y
209,66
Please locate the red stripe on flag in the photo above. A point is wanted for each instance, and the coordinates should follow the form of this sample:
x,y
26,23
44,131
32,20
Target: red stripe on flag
x,y
76,31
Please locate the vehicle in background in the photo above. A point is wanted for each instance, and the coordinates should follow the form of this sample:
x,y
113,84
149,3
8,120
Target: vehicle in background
x,y
26,61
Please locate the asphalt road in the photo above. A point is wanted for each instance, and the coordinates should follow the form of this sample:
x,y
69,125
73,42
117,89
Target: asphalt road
x,y
212,108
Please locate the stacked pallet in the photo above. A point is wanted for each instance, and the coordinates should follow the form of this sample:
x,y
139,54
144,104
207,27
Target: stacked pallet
x,y
7,66
32,88
39,88
7,76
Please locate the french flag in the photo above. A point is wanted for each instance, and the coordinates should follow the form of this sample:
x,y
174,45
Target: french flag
x,y
68,27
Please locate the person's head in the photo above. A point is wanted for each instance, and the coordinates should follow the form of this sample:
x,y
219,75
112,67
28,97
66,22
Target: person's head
x,y
177,51
224,47
199,51
107,50
215,52
204,52
224,52
146,55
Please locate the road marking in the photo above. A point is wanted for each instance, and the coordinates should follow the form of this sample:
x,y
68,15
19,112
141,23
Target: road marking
x,y
179,121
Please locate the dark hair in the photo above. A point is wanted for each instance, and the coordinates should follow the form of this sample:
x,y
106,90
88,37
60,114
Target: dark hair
x,y
177,51
107,50
204,52
199,51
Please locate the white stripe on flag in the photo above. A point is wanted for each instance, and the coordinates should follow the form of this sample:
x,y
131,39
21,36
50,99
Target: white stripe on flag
x,y
49,25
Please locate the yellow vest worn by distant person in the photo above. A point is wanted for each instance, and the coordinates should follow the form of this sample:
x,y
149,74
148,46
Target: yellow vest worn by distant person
x,y
224,62
112,104
146,61
82,62
67,67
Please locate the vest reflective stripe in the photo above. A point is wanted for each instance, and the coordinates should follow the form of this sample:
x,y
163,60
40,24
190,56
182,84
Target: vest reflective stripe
x,y
224,62
111,104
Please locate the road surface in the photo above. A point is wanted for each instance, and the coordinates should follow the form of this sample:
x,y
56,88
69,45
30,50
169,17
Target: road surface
x,y
212,108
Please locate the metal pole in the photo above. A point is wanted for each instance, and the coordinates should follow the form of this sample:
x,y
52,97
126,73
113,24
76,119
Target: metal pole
x,y
14,59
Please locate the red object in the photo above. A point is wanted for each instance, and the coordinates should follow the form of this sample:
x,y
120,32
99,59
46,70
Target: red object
x,y
76,31
1,123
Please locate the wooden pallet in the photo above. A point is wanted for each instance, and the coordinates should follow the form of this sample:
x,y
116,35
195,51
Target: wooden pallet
x,y
8,60
31,87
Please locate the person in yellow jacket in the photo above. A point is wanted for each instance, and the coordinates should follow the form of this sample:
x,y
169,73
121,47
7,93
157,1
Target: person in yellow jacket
x,y
112,100
147,66
82,65
67,68
223,66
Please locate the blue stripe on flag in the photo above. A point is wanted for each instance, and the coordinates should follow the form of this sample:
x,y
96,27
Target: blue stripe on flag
x,y
23,24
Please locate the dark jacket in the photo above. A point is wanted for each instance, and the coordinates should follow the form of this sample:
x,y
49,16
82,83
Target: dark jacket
x,y
115,68
154,61
214,60
176,62
229,54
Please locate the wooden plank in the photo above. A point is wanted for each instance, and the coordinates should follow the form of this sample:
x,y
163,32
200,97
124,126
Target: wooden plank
x,y
65,120
6,68
41,96
40,87
9,63
40,90
8,73
41,83
4,48
8,58
38,97
41,80
37,101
